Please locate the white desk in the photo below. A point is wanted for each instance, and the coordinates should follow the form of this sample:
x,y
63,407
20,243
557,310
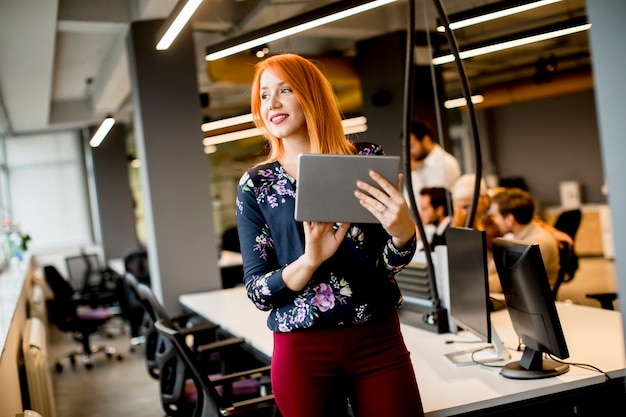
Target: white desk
x,y
594,336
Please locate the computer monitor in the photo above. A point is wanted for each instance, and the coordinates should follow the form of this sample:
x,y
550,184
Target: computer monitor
x,y
531,306
470,307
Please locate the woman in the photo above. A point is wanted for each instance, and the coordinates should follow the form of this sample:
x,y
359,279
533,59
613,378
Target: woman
x,y
330,287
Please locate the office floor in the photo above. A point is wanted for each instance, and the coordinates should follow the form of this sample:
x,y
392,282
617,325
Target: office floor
x,y
124,388
111,388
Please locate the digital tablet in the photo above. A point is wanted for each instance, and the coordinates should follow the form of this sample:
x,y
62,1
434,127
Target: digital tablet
x,y
326,185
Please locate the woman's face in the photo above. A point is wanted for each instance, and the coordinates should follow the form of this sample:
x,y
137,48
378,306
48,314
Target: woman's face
x,y
280,110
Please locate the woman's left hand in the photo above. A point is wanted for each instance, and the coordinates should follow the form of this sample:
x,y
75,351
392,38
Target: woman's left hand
x,y
389,206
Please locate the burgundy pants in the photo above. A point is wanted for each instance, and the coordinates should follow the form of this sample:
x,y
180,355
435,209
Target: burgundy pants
x,y
314,372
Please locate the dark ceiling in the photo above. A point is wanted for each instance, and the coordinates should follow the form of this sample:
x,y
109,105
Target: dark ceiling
x,y
64,64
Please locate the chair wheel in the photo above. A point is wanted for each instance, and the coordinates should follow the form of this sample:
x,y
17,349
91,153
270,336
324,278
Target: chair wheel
x,y
89,366
72,361
58,367
120,358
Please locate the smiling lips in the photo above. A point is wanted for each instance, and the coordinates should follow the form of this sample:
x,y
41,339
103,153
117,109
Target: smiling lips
x,y
278,118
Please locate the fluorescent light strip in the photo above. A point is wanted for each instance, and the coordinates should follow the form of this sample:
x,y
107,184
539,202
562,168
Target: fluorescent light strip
x,y
102,132
178,24
247,118
231,121
350,130
355,121
350,126
295,29
232,136
511,44
459,102
495,15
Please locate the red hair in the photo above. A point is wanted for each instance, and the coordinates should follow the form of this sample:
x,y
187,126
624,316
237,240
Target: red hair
x,y
317,99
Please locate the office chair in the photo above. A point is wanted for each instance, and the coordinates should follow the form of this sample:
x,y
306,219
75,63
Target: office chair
x,y
605,299
136,263
216,395
98,283
89,277
230,240
132,309
178,394
71,312
232,275
568,222
153,311
568,264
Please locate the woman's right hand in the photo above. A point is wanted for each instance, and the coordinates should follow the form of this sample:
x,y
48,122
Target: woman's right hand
x,y
321,242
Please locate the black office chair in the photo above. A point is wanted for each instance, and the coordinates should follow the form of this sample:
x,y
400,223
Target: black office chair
x,y
136,262
88,276
605,299
568,265
201,331
74,313
246,393
230,240
132,310
568,222
178,394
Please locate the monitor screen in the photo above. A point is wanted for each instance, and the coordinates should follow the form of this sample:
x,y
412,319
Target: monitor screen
x,y
531,308
469,304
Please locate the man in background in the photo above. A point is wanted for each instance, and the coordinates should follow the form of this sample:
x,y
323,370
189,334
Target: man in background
x,y
513,212
433,210
431,165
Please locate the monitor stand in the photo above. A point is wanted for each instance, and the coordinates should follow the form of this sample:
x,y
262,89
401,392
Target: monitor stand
x,y
481,355
532,365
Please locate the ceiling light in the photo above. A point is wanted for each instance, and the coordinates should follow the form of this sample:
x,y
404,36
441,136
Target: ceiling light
x,y
513,43
309,20
459,102
350,126
261,51
232,136
491,12
231,121
101,133
183,11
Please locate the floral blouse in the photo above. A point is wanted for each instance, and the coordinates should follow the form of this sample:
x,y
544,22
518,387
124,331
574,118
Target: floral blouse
x,y
356,285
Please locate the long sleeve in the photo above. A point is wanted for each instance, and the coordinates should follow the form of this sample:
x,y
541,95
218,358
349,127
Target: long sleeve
x,y
356,285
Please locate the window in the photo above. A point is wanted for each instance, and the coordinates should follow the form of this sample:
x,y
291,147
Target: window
x,y
49,198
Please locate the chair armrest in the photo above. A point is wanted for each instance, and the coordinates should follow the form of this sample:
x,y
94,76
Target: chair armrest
x,y
205,327
605,298
221,356
221,345
255,373
202,334
254,403
183,319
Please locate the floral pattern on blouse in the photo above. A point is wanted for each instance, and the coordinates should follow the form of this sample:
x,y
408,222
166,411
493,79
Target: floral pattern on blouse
x,y
354,286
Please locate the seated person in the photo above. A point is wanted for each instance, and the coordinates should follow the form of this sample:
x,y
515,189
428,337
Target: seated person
x,y
462,193
433,211
513,211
